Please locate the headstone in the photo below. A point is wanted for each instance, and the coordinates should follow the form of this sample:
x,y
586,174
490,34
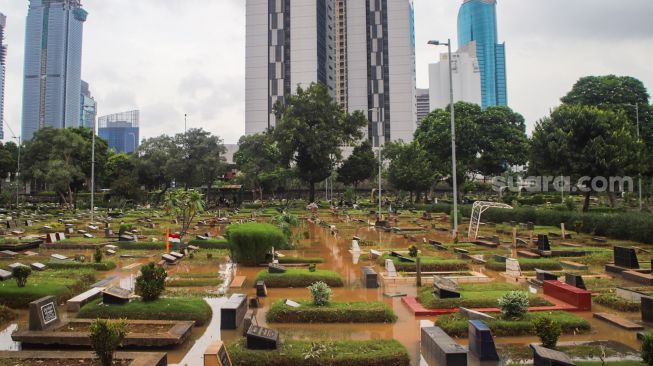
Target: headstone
x,y
259,338
43,314
276,268
521,242
111,252
200,237
625,257
59,257
29,253
108,232
38,266
126,237
216,355
177,255
512,267
50,238
370,277
548,357
169,259
233,311
647,309
390,268
292,304
543,243
375,254
250,319
440,349
4,275
403,259
8,253
575,280
254,303
470,314
261,290
445,288
16,265
116,295
111,247
69,230
355,247
545,276
481,343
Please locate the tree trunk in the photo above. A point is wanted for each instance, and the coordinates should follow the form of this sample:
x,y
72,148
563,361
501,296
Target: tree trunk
x,y
586,204
260,194
311,195
612,199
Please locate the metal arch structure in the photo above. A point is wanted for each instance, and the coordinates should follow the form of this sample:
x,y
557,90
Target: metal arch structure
x,y
477,209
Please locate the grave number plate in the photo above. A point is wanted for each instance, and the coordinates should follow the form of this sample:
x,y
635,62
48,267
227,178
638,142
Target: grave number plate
x,y
49,313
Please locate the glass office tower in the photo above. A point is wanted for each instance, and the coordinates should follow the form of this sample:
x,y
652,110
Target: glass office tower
x,y
477,21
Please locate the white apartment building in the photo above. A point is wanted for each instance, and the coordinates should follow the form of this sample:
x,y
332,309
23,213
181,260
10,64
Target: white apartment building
x,y
466,78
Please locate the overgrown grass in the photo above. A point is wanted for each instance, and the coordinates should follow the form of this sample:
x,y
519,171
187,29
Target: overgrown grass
x,y
296,260
103,266
210,244
61,284
456,326
334,312
169,308
615,302
299,278
429,264
527,264
474,296
323,353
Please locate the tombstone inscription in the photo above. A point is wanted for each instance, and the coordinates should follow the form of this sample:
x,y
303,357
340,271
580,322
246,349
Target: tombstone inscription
x,y
43,313
260,338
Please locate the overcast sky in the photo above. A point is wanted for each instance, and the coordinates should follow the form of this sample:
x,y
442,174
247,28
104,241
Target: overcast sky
x,y
170,57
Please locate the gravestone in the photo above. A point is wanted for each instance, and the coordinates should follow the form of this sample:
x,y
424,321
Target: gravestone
x,y
108,232
38,266
169,259
395,254
470,314
89,236
512,267
16,265
177,255
390,268
233,311
543,243
116,295
254,303
261,290
110,247
355,247
625,257
292,304
50,238
647,309
276,268
60,236
259,338
43,314
481,343
4,275
440,349
216,355
542,275
575,280
445,288
248,321
547,357
69,230
521,243
8,253
59,257
370,278
374,254
403,259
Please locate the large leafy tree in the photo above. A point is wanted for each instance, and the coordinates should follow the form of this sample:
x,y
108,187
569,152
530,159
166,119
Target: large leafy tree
x,y
157,163
8,160
585,141
184,205
259,160
410,167
310,131
122,176
359,166
502,141
202,160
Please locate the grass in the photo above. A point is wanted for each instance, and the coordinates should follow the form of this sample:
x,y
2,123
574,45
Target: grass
x,y
323,353
429,264
297,260
527,264
299,278
456,326
169,308
7,314
474,296
193,282
61,284
141,245
102,266
334,312
615,302
210,244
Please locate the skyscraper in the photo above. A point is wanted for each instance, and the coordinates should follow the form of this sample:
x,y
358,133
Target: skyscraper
x,y
364,51
88,107
477,22
466,78
3,72
423,104
121,130
53,65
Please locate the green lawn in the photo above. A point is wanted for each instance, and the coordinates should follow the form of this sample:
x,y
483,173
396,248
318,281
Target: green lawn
x,y
169,308
527,264
474,296
63,284
429,264
334,312
299,278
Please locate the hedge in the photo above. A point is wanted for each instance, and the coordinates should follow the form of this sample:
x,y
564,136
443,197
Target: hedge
x,y
325,353
474,296
456,326
102,266
299,278
527,264
334,312
429,264
168,308
299,260
250,242
210,244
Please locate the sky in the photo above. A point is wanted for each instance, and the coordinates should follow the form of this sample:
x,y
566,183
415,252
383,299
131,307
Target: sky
x,y
174,57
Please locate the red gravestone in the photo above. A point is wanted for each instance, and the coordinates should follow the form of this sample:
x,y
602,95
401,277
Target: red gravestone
x,y
582,299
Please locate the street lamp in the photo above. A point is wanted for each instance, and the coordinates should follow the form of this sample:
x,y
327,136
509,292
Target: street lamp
x,y
378,117
92,109
453,136
640,175
18,162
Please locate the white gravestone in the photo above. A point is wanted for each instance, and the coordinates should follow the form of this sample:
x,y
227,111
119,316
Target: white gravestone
x,y
390,268
512,267
355,247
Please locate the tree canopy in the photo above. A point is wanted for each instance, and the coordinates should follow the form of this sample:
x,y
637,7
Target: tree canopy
x,y
359,166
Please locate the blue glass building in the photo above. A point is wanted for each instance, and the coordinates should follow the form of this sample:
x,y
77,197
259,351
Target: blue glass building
x,y
53,65
121,130
477,22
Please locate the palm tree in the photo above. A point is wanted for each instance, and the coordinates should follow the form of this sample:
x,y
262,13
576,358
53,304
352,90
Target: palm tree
x,y
184,205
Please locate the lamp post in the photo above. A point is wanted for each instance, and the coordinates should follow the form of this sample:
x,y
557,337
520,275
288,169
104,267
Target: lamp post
x,y
378,116
453,136
18,161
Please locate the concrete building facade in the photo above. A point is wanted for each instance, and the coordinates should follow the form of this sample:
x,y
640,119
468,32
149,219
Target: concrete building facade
x,y
466,78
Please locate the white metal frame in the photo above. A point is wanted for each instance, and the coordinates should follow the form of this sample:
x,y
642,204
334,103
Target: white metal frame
x,y
477,209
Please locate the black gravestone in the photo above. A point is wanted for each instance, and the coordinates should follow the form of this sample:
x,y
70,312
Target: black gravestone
x,y
445,288
370,277
395,254
548,357
233,311
261,290
625,257
405,259
575,280
545,276
481,343
499,258
43,313
116,295
440,349
543,243
248,321
647,309
259,338
276,268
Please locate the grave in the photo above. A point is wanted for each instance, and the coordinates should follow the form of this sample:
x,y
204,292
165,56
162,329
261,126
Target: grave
x,y
50,238
625,257
16,265
259,338
238,282
370,277
470,314
499,258
89,236
543,243
512,268
547,357
60,236
249,320
481,343
618,321
233,311
581,299
108,232
292,304
59,257
38,266
542,275
177,255
30,253
445,288
521,243
82,299
647,309
116,295
375,254
43,314
216,355
440,349
8,254
390,268
69,230
4,275
527,254
276,268
169,259
355,247
403,259
575,280
261,289
636,276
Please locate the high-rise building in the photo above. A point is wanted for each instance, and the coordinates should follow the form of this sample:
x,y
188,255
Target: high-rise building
x,y
477,22
364,51
466,78
88,108
3,72
53,65
121,130
423,104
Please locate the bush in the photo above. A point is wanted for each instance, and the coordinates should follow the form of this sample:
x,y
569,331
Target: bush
x,y
106,336
250,242
98,255
20,274
104,266
151,282
412,251
169,308
548,331
321,293
647,348
514,304
299,278
333,312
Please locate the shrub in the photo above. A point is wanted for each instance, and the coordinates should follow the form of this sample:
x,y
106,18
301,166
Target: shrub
x,y
297,278
412,251
98,255
106,336
321,293
151,283
250,242
514,304
20,274
548,331
647,348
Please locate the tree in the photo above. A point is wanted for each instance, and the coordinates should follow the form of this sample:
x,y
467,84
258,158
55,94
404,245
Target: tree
x,y
151,282
258,159
156,163
359,166
585,142
503,142
122,176
410,167
202,160
310,131
184,205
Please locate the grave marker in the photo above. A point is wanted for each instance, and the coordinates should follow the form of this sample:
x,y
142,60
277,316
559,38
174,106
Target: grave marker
x,y
445,288
4,275
440,349
625,257
233,311
38,266
470,314
647,309
542,275
512,267
216,355
370,278
481,342
390,268
276,268
116,295
259,338
43,313
575,280
548,357
543,243
261,289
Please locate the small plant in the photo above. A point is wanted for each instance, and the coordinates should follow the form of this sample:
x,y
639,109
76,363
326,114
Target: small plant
x,y
191,255
21,273
321,293
548,331
106,336
312,267
209,255
316,351
97,257
412,251
151,283
514,304
647,348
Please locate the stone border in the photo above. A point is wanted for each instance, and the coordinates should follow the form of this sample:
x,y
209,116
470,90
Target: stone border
x,y
139,358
